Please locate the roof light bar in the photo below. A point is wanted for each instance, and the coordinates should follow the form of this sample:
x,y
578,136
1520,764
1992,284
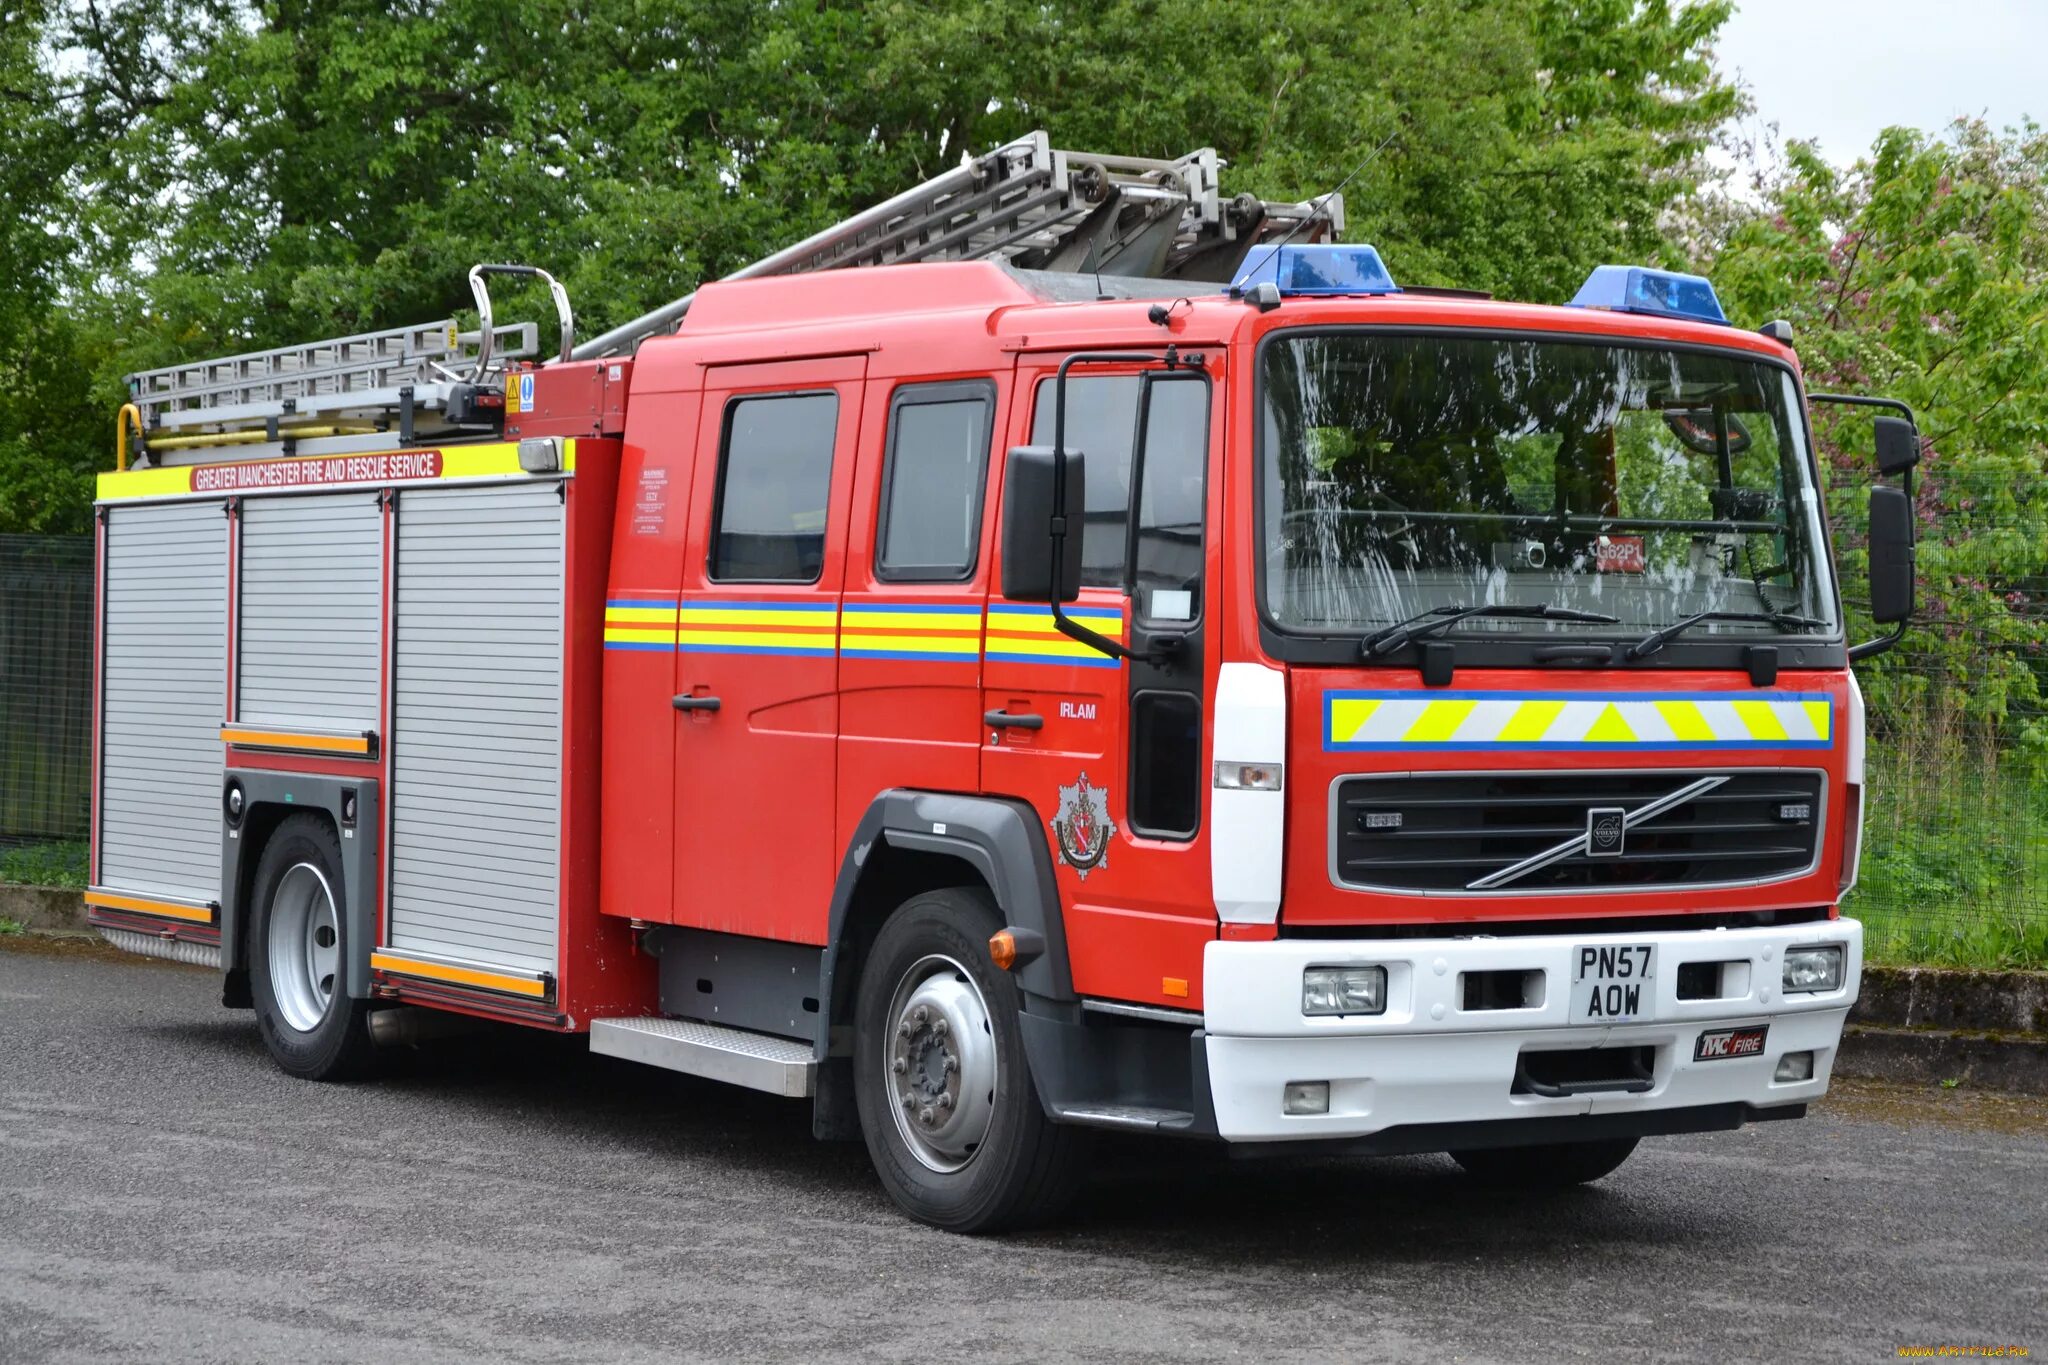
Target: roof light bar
x,y
1326,268
1661,293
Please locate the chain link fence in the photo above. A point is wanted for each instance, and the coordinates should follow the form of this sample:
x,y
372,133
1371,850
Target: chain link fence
x,y
1955,863
45,707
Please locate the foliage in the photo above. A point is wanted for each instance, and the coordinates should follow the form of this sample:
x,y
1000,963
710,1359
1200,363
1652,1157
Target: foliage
x,y
1922,273
216,175
54,864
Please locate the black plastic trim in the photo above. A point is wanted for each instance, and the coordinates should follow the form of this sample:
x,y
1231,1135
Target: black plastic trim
x,y
1415,1138
1002,840
291,793
1283,645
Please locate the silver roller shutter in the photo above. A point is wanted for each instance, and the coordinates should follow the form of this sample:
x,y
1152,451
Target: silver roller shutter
x,y
164,695
312,570
476,724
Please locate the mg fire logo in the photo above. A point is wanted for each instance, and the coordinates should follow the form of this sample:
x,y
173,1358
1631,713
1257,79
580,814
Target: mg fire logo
x,y
1082,827
1606,831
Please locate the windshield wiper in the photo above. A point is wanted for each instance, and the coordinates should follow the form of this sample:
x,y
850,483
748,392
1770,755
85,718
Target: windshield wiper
x,y
1437,620
1654,641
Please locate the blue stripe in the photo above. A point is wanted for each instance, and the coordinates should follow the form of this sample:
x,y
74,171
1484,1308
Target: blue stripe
x,y
1072,662
755,649
625,644
1045,613
640,602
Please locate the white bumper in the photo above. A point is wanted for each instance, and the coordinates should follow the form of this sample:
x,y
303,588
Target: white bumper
x,y
1427,1060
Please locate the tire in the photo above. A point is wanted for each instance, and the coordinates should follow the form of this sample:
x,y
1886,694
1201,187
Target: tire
x,y
1546,1166
967,1154
298,946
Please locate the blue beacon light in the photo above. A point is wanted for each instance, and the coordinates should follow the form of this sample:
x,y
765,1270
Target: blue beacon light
x,y
1326,268
1660,293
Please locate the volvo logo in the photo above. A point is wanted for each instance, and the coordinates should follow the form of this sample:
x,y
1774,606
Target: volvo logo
x,y
1606,834
1606,831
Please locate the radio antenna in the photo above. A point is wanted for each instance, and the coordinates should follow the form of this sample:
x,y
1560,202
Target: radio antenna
x,y
1324,199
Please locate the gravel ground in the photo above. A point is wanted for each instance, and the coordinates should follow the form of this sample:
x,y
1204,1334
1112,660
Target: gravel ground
x,y
167,1195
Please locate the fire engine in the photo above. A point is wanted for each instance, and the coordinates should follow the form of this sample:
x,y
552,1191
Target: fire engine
x,y
1062,650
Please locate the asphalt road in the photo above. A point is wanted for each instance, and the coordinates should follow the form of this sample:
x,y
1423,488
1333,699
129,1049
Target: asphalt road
x,y
166,1195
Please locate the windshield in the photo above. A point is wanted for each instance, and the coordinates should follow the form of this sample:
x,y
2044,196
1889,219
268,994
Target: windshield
x,y
1407,473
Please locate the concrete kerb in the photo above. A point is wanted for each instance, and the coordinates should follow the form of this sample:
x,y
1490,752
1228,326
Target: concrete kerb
x,y
44,909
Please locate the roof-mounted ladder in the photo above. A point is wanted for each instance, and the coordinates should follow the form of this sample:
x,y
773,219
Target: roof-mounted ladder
x,y
1027,203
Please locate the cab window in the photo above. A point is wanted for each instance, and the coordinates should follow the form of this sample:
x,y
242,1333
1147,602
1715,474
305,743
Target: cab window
x,y
774,479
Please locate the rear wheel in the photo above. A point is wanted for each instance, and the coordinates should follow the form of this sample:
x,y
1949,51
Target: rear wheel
x,y
1547,1166
296,956
953,1123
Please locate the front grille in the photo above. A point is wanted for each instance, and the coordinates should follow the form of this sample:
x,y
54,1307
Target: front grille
x,y
1439,832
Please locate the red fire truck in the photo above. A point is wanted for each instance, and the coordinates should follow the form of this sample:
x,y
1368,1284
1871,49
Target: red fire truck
x,y
1063,650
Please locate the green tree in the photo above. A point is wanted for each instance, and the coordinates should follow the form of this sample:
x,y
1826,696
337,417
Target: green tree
x,y
1922,273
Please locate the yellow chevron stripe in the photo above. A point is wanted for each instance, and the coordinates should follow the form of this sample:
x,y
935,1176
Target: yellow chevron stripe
x,y
1609,727
1532,720
1821,714
1685,720
1760,718
1349,714
1438,721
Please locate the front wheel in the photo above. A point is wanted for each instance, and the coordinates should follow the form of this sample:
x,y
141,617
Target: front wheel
x,y
303,1010
952,1120
1545,1166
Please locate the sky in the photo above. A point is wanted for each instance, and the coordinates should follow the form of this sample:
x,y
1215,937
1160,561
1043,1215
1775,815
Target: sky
x,y
1841,70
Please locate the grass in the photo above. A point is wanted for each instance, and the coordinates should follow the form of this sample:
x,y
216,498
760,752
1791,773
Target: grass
x,y
53,864
10,927
1955,856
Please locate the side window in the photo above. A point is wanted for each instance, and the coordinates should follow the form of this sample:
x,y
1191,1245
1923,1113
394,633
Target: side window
x,y
1166,562
774,478
1102,423
933,481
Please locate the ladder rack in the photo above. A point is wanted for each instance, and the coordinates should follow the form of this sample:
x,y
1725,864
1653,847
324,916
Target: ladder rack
x,y
1027,203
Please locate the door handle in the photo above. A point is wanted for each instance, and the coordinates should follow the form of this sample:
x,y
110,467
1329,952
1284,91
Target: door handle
x,y
1002,720
687,703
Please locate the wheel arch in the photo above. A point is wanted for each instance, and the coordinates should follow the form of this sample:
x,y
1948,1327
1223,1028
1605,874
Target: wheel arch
x,y
908,842
271,798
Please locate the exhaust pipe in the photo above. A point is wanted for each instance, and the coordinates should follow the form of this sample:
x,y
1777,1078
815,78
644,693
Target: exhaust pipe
x,y
410,1025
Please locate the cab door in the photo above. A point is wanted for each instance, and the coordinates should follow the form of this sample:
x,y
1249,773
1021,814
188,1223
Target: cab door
x,y
756,688
1112,752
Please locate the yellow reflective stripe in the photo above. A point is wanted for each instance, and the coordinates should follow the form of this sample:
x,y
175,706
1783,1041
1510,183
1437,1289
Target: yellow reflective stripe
x,y
534,987
492,460
1532,720
148,905
1058,644
969,622
1821,715
1348,716
753,616
779,638
1438,721
1685,720
143,483
640,637
1609,727
625,616
1760,718
1021,624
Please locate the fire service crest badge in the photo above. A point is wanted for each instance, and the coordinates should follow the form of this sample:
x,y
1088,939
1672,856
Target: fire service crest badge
x,y
1082,827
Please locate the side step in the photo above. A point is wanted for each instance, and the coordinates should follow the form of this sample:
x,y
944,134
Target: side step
x,y
780,1066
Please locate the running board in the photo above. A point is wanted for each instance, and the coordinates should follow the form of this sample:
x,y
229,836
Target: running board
x,y
780,1066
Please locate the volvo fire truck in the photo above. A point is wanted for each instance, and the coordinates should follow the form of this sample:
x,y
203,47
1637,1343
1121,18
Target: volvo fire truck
x,y
1062,650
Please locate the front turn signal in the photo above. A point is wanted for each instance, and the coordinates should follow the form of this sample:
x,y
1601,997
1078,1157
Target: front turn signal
x,y
1002,949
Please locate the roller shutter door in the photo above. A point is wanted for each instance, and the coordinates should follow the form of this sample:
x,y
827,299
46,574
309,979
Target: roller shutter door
x,y
476,725
164,695
312,570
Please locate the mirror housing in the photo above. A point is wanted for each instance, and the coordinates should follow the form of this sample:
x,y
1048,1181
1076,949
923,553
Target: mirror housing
x,y
1891,554
1035,492
1898,445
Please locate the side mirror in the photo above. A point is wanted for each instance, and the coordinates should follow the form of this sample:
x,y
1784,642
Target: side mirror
x,y
1035,492
1898,445
1891,547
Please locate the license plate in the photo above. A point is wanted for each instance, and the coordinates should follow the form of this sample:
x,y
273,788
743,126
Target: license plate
x,y
1611,982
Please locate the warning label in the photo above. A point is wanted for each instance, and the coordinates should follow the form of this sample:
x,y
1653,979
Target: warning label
x,y
315,470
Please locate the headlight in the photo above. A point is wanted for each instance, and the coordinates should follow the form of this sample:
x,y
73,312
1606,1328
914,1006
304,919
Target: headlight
x,y
1344,990
1813,969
